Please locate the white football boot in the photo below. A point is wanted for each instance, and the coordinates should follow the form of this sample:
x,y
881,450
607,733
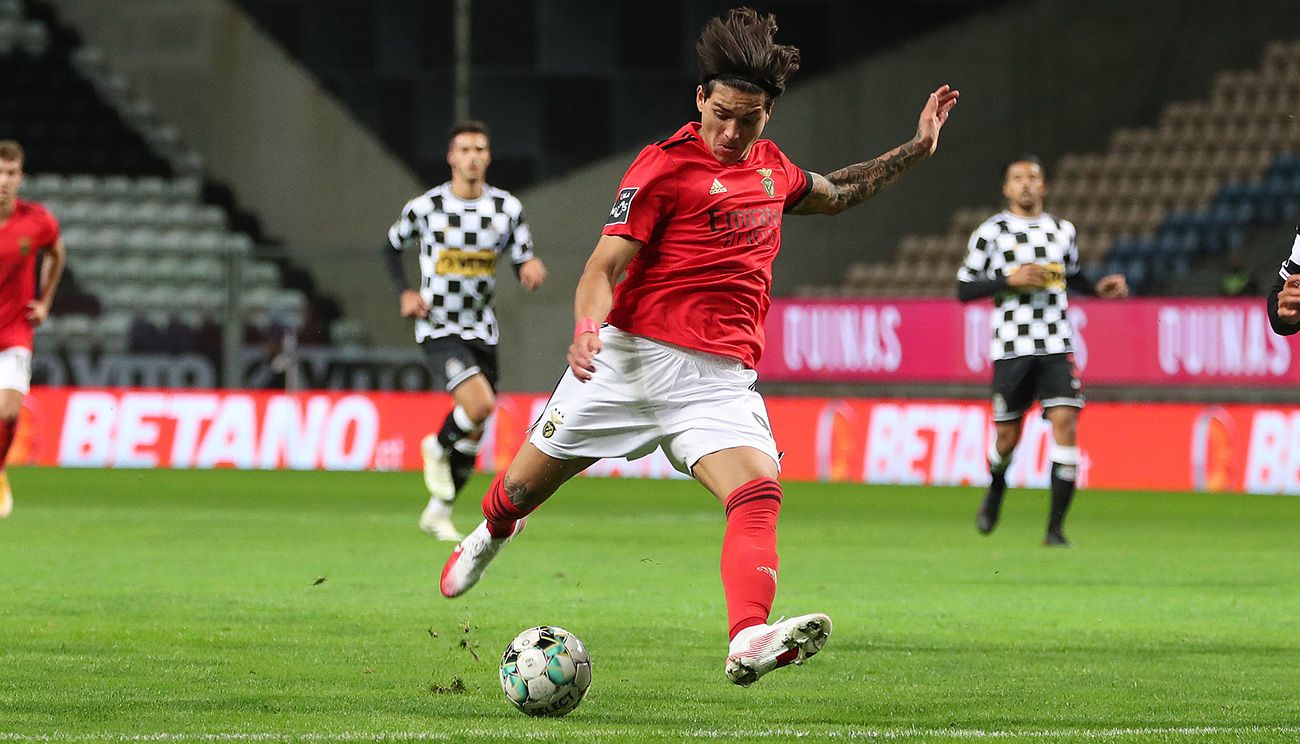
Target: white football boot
x,y
471,558
436,520
759,649
6,496
437,469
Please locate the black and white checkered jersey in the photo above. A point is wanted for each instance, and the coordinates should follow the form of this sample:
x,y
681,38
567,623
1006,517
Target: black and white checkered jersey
x,y
459,244
1025,323
1291,264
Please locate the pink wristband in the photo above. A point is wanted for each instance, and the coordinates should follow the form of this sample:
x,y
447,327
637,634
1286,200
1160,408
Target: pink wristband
x,y
586,325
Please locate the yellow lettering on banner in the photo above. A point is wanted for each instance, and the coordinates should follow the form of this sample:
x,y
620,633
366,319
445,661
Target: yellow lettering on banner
x,y
466,263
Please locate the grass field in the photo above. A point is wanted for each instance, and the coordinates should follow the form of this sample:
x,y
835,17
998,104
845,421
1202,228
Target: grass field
x,y
178,606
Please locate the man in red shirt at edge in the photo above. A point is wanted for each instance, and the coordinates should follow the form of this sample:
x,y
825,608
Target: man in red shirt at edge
x,y
26,229
696,225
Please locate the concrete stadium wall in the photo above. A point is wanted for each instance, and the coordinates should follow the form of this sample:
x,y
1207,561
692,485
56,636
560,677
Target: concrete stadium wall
x,y
1047,76
292,153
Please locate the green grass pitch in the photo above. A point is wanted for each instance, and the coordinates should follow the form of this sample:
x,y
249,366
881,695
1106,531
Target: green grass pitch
x,y
240,606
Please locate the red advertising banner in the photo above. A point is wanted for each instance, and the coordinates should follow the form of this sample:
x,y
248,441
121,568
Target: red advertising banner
x,y
1149,446
1118,342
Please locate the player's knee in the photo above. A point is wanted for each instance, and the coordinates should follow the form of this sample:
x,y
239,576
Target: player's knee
x,y
1065,425
478,411
10,407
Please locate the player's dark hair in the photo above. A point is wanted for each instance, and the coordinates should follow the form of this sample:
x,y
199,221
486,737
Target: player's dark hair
x,y
11,150
473,126
1027,157
738,51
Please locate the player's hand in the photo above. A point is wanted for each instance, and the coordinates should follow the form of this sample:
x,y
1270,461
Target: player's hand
x,y
413,305
37,312
933,116
532,273
1027,276
1112,287
582,355
1288,300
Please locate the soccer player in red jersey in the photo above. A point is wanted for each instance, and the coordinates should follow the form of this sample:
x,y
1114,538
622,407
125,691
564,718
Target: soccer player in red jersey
x,y
26,229
696,225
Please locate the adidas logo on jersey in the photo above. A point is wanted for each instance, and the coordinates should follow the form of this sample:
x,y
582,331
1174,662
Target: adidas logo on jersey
x,y
717,188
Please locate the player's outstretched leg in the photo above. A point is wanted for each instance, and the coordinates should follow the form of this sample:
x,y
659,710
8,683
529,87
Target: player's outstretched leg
x,y
759,649
986,519
749,570
471,557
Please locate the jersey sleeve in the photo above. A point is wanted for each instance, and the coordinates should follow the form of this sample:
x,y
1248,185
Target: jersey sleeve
x,y
1291,264
645,196
799,179
976,265
404,228
1072,266
520,240
49,230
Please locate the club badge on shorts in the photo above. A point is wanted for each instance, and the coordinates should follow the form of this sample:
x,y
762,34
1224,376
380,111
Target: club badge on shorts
x,y
768,184
555,419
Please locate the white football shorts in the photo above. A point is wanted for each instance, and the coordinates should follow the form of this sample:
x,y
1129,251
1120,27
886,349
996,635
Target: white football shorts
x,y
647,394
16,369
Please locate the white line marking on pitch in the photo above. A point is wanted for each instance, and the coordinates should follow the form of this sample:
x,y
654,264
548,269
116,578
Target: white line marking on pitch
x,y
571,734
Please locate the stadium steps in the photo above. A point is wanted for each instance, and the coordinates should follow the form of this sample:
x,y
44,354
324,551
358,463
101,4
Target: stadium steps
x,y
1161,201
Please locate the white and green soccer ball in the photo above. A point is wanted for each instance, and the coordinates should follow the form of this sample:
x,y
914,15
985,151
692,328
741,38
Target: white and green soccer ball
x,y
545,671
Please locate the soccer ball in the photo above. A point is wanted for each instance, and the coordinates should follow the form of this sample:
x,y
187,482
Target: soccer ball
x,y
545,671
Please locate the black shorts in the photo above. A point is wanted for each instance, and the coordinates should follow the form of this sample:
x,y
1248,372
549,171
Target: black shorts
x,y
1050,379
453,360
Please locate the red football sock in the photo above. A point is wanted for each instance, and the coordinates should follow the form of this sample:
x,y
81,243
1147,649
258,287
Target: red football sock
x,y
7,429
500,512
749,560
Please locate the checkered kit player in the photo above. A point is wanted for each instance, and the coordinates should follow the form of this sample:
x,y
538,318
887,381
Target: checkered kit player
x,y
1284,296
27,230
462,227
696,225
1025,259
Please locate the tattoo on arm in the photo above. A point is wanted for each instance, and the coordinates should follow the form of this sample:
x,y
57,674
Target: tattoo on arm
x,y
854,184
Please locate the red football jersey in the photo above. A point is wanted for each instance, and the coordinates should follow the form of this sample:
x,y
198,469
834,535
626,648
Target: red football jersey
x,y
30,229
708,233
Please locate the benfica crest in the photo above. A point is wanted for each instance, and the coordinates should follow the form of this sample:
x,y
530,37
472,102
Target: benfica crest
x,y
768,184
24,246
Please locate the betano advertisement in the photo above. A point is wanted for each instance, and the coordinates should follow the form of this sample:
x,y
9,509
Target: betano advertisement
x,y
1118,342
1175,447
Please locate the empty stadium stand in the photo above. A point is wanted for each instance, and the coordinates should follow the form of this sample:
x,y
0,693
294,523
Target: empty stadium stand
x,y
150,257
1158,202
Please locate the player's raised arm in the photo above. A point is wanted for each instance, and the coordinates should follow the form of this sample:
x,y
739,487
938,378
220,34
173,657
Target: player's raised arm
x,y
854,184
594,297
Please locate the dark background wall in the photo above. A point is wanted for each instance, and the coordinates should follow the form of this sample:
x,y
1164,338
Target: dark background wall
x,y
562,82
1050,76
